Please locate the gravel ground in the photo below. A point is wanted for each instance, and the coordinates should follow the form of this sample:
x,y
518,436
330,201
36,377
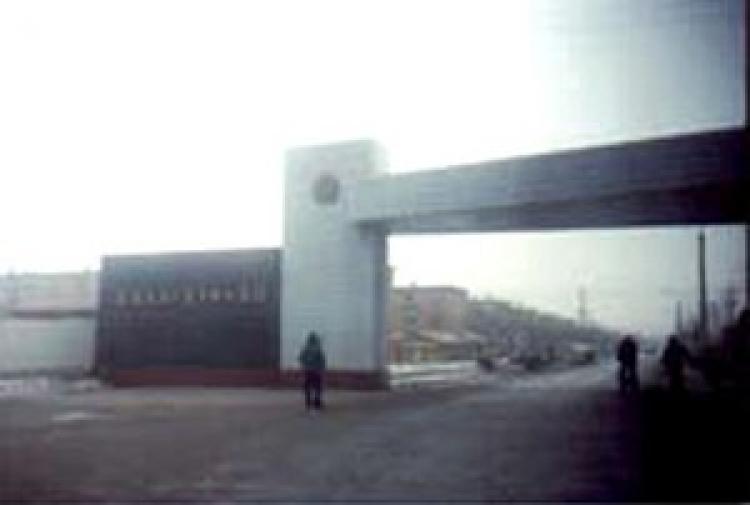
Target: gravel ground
x,y
561,436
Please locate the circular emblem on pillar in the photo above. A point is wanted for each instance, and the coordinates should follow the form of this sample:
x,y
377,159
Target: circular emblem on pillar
x,y
326,189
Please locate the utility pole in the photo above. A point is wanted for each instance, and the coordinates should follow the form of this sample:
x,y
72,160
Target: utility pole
x,y
702,309
583,314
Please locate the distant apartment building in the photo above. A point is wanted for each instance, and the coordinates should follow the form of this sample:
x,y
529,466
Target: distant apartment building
x,y
442,308
428,323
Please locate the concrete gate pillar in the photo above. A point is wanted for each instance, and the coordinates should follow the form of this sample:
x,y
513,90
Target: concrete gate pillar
x,y
333,270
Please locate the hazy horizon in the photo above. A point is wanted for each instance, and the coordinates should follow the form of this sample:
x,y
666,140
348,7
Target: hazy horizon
x,y
643,270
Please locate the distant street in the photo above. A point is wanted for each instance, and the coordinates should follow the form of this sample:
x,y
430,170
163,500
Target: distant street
x,y
559,436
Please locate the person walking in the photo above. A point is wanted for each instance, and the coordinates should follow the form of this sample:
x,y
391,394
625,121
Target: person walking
x,y
674,359
313,362
627,355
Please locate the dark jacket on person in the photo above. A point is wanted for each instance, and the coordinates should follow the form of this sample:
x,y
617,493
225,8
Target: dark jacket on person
x,y
627,352
736,349
675,355
312,358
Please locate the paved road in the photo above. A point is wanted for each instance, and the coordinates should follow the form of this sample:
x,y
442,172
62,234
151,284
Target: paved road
x,y
563,436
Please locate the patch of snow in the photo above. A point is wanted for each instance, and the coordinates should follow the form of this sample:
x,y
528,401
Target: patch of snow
x,y
40,385
74,416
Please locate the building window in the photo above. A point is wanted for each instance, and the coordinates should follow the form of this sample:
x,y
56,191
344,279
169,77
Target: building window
x,y
244,293
121,298
202,294
187,295
215,294
229,295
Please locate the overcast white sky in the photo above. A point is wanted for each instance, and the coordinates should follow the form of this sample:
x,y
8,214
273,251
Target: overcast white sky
x,y
161,125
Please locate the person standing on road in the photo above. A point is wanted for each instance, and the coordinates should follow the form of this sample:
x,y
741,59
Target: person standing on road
x,y
313,362
736,351
673,359
627,355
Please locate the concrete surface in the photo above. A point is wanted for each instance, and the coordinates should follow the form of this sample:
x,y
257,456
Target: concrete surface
x,y
561,436
685,179
333,273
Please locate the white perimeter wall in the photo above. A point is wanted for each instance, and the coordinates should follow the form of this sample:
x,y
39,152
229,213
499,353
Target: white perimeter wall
x,y
50,345
47,343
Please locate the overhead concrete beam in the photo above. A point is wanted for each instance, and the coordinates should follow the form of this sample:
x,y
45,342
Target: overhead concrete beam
x,y
690,179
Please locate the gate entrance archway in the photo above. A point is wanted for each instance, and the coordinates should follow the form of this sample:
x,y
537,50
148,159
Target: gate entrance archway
x,y
340,205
